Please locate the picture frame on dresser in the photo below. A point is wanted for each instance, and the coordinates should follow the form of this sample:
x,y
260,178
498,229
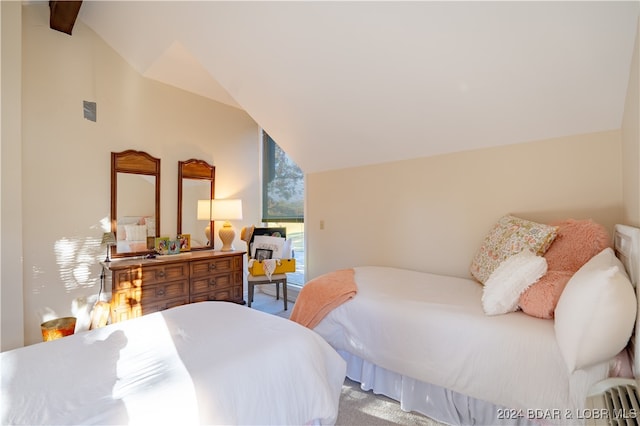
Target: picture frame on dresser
x,y
174,247
162,245
185,242
151,243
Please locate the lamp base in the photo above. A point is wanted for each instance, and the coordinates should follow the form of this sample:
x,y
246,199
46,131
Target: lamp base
x,y
207,232
227,235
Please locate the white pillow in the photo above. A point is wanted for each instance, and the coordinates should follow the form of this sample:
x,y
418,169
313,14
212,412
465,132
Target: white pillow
x,y
514,275
596,312
136,232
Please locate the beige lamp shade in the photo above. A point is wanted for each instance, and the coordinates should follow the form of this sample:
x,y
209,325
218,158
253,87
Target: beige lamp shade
x,y
203,212
226,209
108,239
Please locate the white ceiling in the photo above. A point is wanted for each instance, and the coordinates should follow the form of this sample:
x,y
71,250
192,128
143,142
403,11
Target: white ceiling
x,y
342,84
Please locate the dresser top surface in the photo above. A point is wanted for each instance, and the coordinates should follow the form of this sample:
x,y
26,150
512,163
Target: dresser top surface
x,y
169,258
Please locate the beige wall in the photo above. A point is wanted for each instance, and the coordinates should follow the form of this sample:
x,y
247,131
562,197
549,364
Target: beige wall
x,y
430,214
66,159
11,306
630,142
424,214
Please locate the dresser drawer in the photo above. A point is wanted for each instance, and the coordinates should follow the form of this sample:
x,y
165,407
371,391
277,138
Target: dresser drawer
x,y
148,295
211,283
159,292
165,273
135,310
231,294
208,267
125,312
161,305
127,278
126,297
135,276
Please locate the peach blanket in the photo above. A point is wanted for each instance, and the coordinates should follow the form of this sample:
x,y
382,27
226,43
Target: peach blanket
x,y
322,294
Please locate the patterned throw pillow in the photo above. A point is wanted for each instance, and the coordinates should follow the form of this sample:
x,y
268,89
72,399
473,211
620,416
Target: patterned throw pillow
x,y
509,236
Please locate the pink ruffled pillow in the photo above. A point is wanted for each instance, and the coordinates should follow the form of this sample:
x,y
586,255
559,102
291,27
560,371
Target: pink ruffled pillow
x,y
576,243
541,301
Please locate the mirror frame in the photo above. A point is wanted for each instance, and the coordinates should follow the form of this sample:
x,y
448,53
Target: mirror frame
x,y
133,162
195,169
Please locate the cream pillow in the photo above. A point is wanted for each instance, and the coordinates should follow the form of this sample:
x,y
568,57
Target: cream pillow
x,y
509,236
136,232
596,312
513,276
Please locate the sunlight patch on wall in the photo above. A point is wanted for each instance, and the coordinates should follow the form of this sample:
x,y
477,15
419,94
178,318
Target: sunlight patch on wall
x,y
105,224
76,261
75,258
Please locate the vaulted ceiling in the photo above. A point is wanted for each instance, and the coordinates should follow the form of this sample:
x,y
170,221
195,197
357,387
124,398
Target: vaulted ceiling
x,y
341,84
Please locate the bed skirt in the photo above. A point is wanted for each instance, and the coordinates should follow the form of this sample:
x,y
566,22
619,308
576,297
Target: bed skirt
x,y
435,402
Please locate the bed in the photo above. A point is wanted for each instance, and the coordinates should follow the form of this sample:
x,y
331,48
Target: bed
x,y
202,363
427,341
132,232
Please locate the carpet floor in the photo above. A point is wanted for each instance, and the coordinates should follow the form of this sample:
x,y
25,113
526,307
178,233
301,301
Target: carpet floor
x,y
357,407
361,408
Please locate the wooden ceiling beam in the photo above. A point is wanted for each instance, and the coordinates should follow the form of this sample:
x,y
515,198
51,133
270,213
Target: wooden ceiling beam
x,y
63,15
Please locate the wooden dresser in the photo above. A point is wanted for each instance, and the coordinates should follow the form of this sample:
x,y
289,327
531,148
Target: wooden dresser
x,y
142,286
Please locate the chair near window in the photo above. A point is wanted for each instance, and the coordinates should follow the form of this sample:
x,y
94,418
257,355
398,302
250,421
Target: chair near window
x,y
247,235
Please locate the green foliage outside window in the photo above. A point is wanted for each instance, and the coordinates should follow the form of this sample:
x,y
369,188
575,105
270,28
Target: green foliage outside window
x,y
283,185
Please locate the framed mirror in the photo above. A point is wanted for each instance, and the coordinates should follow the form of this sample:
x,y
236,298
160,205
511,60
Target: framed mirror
x,y
196,181
135,202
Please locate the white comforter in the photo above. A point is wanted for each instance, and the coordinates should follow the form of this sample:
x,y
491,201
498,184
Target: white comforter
x,y
432,328
204,363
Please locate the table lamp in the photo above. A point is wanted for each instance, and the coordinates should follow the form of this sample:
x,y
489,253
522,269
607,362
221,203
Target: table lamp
x,y
109,239
226,210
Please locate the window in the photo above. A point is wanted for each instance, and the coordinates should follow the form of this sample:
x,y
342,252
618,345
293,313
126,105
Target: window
x,y
282,185
283,199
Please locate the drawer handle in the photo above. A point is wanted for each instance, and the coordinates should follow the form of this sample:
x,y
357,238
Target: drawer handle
x,y
212,266
160,292
161,274
212,282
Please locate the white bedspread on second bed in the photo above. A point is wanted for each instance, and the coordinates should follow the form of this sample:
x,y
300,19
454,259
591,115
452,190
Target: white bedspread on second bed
x,y
433,328
204,363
